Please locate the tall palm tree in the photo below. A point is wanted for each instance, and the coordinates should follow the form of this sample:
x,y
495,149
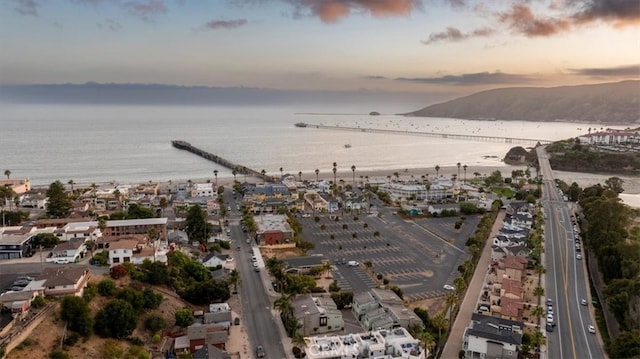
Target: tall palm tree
x,y
334,176
458,164
465,173
71,183
215,174
538,312
353,170
234,173
234,278
300,175
298,341
7,173
281,173
437,170
317,173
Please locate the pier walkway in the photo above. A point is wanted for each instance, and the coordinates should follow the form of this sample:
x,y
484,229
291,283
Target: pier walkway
x,y
239,169
528,141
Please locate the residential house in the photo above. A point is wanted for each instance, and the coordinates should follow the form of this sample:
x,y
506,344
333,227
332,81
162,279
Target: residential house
x,y
214,259
19,186
121,251
119,228
210,352
317,315
34,200
515,267
13,246
492,338
67,280
200,334
68,251
511,308
382,308
363,303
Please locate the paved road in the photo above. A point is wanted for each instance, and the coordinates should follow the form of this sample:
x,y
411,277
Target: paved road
x,y
566,278
256,303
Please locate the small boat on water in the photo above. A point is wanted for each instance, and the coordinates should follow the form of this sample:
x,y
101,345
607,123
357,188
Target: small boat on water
x,y
301,124
347,145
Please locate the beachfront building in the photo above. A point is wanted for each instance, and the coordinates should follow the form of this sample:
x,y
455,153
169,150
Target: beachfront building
x,y
379,344
273,229
317,315
267,197
320,201
382,309
123,228
19,186
15,245
491,337
610,137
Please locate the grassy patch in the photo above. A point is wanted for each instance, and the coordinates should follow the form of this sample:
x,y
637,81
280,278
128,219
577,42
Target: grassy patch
x,y
503,192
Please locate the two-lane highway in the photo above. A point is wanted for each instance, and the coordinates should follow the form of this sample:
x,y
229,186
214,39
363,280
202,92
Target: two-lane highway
x,y
256,304
566,277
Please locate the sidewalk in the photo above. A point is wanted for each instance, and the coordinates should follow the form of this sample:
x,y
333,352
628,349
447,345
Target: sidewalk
x,y
453,344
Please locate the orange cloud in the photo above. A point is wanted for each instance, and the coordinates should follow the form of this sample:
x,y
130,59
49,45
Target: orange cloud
x,y
330,11
522,20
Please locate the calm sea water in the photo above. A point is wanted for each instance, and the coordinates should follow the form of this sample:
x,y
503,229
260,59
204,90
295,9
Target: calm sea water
x,y
133,143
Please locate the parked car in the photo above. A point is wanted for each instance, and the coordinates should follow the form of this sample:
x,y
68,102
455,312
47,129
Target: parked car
x,y
25,277
549,301
578,256
550,310
61,261
352,263
549,318
591,329
21,283
449,287
549,327
260,351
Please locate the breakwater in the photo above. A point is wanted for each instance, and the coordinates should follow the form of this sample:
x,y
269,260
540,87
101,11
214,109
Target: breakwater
x,y
529,141
234,167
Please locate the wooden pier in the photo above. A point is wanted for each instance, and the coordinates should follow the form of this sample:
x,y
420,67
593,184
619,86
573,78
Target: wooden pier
x,y
240,169
528,141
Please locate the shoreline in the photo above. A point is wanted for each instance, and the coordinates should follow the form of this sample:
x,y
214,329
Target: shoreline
x,y
631,185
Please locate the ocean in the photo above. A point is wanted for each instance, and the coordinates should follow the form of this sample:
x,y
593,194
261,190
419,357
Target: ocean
x,y
128,144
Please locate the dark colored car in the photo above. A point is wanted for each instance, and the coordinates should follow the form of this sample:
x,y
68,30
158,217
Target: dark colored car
x,y
260,352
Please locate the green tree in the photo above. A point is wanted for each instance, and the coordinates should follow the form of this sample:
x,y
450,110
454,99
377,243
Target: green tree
x,y
614,184
197,227
46,240
7,173
59,205
184,317
75,311
155,323
106,287
117,319
59,354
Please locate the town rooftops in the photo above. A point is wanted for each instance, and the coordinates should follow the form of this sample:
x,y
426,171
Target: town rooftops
x,y
273,222
60,276
137,222
305,261
14,239
123,244
68,245
493,328
514,262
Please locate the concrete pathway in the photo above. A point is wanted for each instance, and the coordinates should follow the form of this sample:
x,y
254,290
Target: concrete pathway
x,y
454,342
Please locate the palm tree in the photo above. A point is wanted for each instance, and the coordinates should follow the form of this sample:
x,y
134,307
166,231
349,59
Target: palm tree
x,y
284,306
538,291
427,340
215,173
263,172
465,173
458,164
452,302
7,173
437,170
281,173
71,183
300,175
317,173
298,342
234,278
234,173
440,322
538,312
334,175
353,170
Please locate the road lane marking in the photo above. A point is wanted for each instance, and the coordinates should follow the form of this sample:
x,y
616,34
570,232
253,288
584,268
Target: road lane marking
x,y
566,286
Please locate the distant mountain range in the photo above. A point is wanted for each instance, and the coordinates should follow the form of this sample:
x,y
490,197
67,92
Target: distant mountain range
x,y
157,94
608,103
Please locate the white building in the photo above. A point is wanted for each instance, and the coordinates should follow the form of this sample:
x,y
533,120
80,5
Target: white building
x,y
378,344
203,190
121,251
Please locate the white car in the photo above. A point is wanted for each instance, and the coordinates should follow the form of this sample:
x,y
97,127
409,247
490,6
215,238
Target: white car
x,y
550,310
61,261
591,329
578,256
449,287
353,263
550,318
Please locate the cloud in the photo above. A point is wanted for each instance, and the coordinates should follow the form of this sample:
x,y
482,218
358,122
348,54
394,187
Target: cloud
x,y
331,11
27,7
225,24
522,20
110,25
480,78
618,12
145,8
375,77
453,34
618,71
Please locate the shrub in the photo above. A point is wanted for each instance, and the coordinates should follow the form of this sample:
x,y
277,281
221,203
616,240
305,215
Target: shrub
x,y
106,287
184,317
155,323
118,271
58,354
38,302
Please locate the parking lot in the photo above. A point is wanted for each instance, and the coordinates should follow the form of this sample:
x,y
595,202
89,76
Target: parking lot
x,y
419,256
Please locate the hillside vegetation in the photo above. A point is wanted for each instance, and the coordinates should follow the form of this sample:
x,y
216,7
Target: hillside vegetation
x,y
609,103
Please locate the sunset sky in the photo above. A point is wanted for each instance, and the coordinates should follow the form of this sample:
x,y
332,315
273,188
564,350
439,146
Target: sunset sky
x,y
392,45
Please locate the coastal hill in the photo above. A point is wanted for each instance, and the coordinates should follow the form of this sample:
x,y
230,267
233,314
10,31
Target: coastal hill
x,y
607,103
